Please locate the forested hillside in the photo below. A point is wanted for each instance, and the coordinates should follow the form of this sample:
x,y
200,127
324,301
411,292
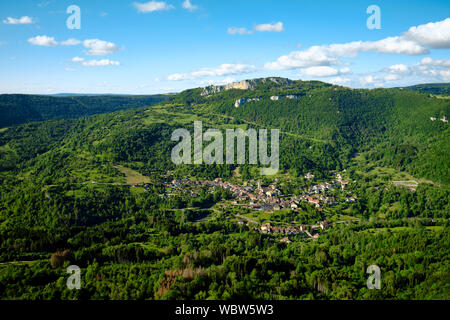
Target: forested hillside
x,y
432,88
102,193
393,125
19,108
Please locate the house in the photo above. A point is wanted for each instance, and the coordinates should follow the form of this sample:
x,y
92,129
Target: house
x,y
269,193
432,118
294,206
266,228
330,201
309,175
444,119
324,224
344,184
315,202
286,240
315,236
275,98
303,228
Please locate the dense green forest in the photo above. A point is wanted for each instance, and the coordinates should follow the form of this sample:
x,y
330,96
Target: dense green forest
x,y
432,88
65,202
19,108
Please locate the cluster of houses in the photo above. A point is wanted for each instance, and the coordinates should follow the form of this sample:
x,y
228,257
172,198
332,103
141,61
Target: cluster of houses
x,y
179,186
317,195
264,198
267,228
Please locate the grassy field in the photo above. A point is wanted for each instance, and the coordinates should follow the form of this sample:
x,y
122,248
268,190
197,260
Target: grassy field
x,y
132,176
399,229
18,263
342,217
383,174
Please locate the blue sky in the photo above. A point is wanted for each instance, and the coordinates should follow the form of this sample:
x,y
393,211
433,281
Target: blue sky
x,y
146,47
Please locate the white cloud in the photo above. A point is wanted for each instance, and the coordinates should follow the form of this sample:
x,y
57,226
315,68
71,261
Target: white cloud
x,y
371,81
328,54
43,41
324,71
391,77
241,31
367,80
395,45
413,42
345,71
152,6
438,63
222,70
434,34
269,27
103,62
399,69
77,59
96,63
43,4
429,69
225,81
22,20
189,6
340,81
314,56
438,69
99,47
445,75
71,42
178,77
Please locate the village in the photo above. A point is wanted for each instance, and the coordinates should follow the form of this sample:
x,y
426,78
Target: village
x,y
270,198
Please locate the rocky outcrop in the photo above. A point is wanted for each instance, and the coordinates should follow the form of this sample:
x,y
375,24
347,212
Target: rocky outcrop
x,y
240,102
243,85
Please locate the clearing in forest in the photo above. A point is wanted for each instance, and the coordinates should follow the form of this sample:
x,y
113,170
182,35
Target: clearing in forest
x,y
132,176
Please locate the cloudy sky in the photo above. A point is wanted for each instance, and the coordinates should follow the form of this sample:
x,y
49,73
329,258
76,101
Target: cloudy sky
x,y
146,47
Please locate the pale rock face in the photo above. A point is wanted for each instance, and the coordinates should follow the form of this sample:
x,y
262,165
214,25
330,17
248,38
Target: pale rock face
x,y
242,101
241,85
239,102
